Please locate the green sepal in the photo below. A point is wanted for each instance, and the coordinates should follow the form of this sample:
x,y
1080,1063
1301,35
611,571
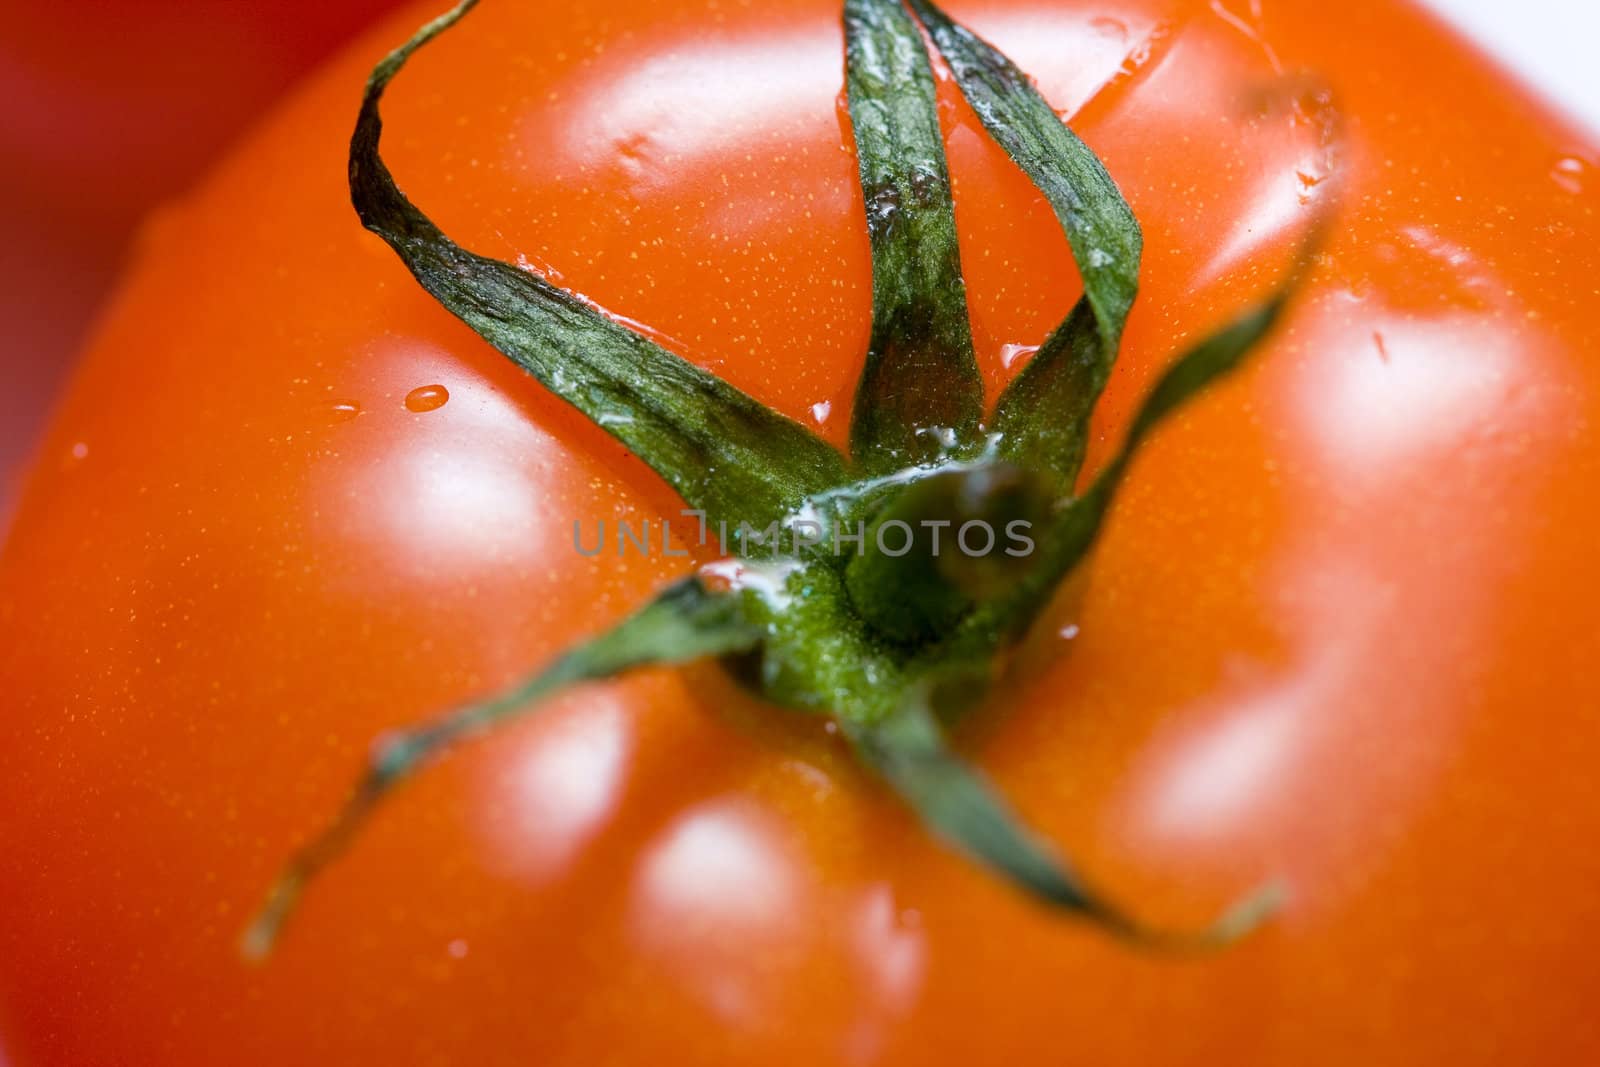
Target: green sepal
x,y
1066,540
725,453
914,577
920,393
687,621
1042,419
800,629
963,809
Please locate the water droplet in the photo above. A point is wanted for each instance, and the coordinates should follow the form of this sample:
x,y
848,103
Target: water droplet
x,y
427,398
80,450
539,266
344,410
1136,59
1308,181
458,949
820,412
1010,355
1069,632
1110,27
942,434
1571,174
644,329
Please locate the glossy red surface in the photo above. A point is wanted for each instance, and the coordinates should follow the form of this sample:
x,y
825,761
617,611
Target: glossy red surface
x,y
111,109
1339,630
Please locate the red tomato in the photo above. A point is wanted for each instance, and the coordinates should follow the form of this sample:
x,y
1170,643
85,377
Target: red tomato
x,y
1339,629
112,108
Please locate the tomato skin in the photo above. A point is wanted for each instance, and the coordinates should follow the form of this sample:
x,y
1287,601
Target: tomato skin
x,y
101,127
1337,632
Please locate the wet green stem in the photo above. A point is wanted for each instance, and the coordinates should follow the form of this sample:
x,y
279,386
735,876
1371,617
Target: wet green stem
x,y
882,641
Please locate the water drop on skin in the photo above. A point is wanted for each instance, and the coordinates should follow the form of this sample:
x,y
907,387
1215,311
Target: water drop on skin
x,y
1010,354
820,412
71,459
427,398
344,410
1570,173
1109,27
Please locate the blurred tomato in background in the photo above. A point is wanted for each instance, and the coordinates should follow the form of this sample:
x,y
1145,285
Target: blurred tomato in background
x,y
111,107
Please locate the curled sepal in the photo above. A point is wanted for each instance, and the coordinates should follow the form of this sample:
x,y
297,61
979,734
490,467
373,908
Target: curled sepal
x,y
920,389
687,621
724,452
960,807
1073,532
1043,417
917,573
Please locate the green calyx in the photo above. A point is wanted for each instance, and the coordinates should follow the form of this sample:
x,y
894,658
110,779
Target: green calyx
x,y
880,589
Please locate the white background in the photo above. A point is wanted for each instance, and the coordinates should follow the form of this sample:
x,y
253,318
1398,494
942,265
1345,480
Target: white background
x,y
1553,45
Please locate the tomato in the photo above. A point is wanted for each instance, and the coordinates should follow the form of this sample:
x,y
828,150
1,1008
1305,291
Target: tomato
x,y
1337,631
105,125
